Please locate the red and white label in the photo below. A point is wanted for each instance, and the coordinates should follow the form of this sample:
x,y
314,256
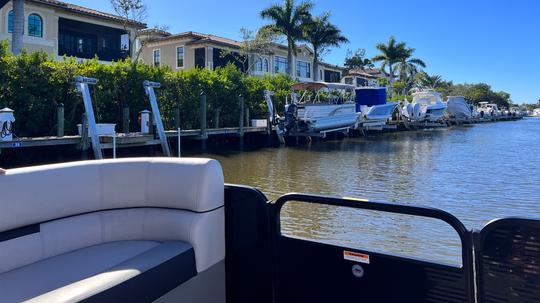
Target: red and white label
x,y
356,257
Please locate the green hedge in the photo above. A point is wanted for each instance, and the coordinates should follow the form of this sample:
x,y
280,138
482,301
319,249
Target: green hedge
x,y
33,84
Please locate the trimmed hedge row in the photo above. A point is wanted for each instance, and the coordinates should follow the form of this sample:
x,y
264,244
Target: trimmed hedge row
x,y
33,84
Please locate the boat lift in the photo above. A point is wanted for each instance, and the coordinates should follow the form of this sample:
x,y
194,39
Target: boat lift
x,y
149,89
81,83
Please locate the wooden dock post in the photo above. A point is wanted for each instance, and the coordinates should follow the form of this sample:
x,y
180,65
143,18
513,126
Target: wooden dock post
x,y
204,133
241,120
203,122
60,120
247,116
125,119
176,113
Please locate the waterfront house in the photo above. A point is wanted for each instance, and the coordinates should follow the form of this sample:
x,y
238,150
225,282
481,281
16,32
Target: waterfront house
x,y
60,28
364,77
191,49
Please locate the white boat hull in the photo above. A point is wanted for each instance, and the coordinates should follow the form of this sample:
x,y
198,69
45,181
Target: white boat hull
x,y
459,109
380,113
323,117
434,113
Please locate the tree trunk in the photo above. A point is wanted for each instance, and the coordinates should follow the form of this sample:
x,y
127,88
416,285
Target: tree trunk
x,y
18,26
290,59
391,80
315,65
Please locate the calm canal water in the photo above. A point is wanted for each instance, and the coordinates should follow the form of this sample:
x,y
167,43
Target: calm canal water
x,y
477,173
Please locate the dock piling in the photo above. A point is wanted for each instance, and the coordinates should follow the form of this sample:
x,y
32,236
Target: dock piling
x,y
241,120
247,116
204,133
125,119
176,114
60,120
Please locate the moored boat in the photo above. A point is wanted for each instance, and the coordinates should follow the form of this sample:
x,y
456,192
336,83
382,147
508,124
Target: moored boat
x,y
459,108
371,102
322,108
426,106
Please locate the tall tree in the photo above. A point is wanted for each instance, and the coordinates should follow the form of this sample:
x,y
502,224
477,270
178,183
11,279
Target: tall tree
x,y
408,69
391,53
322,35
289,20
18,27
357,60
430,81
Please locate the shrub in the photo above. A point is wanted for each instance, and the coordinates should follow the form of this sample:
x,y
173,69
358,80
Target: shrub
x,y
33,84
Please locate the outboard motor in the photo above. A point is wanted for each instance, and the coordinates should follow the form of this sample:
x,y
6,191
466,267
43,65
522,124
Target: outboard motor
x,y
291,114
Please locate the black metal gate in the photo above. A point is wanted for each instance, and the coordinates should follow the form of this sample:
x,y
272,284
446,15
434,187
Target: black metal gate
x,y
307,271
264,265
508,261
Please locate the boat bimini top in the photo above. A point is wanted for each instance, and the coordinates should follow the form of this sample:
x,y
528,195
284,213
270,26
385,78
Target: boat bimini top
x,y
319,87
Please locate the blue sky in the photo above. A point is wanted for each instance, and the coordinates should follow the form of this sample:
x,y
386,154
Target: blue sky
x,y
491,41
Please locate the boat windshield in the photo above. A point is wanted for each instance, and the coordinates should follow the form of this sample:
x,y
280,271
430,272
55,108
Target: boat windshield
x,y
427,98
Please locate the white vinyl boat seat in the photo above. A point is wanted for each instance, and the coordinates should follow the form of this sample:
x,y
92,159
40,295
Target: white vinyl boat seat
x,y
105,268
125,230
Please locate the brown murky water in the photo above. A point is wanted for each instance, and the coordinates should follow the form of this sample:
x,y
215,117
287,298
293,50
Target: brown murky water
x,y
477,173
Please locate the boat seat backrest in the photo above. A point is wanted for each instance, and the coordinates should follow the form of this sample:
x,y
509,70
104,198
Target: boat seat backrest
x,y
53,209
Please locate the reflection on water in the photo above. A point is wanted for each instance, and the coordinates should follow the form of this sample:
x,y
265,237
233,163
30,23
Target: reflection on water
x,y
476,173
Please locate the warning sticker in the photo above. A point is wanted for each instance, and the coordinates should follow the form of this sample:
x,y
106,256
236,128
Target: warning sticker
x,y
356,257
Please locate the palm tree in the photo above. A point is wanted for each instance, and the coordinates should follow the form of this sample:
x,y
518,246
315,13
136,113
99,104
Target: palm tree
x,y
408,68
322,34
432,82
18,26
391,53
289,20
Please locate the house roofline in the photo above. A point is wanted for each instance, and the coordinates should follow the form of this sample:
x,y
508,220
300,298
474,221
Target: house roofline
x,y
81,10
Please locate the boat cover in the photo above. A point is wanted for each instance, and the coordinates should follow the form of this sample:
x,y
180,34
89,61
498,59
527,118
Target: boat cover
x,y
370,96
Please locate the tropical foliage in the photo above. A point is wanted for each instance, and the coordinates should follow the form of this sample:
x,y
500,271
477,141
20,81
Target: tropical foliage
x,y
322,34
357,60
289,20
35,84
424,80
397,56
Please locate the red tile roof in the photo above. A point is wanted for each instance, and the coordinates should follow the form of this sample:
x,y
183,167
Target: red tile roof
x,y
85,11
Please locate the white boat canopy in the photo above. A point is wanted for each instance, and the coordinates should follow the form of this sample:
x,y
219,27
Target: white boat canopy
x,y
320,85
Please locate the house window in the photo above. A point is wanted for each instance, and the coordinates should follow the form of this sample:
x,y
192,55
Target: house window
x,y
349,80
303,69
35,25
180,57
157,57
280,64
10,21
321,75
262,65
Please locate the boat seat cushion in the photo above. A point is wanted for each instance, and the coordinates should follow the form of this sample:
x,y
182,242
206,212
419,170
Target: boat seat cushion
x,y
102,273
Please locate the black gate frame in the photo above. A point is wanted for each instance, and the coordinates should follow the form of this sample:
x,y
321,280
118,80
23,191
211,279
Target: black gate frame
x,y
432,213
253,225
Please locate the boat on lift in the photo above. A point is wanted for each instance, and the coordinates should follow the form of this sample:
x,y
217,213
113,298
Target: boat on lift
x,y
487,109
459,108
375,110
426,106
320,108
